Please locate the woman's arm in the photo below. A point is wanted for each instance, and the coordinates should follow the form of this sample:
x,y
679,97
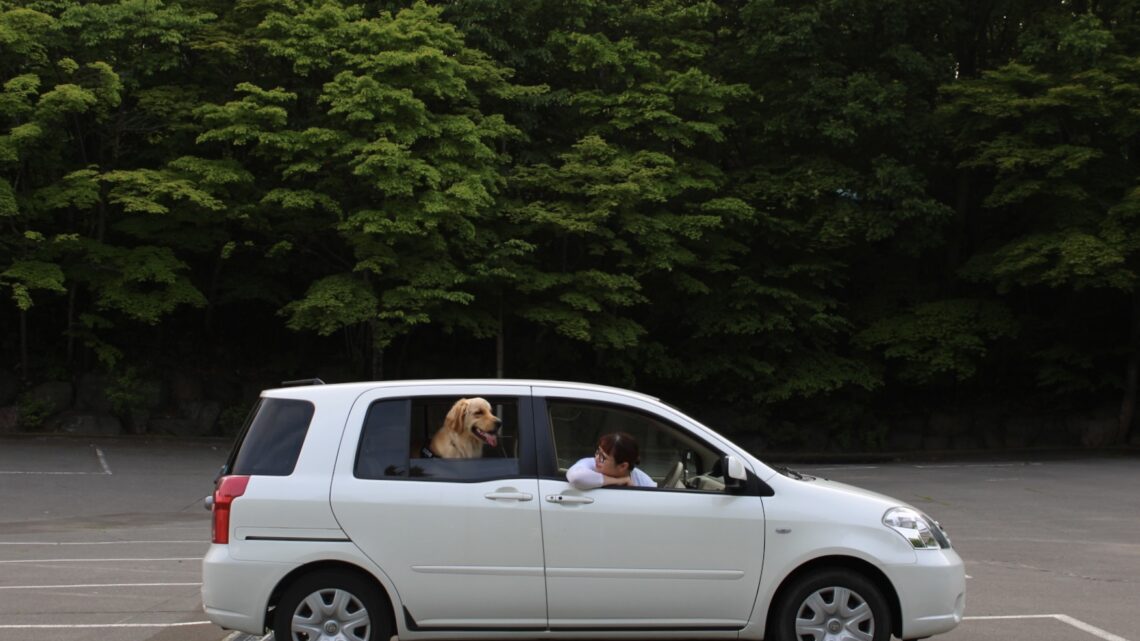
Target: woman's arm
x,y
583,476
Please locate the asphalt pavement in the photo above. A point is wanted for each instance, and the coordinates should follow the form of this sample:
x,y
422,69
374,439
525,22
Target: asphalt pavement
x,y
1051,546
101,540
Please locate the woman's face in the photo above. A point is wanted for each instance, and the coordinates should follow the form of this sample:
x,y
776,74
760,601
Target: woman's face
x,y
605,464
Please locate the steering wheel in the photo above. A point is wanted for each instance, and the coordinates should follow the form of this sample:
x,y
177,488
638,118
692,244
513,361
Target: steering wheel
x,y
673,476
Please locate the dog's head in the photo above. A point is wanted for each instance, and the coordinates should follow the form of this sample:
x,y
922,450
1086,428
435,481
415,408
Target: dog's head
x,y
474,415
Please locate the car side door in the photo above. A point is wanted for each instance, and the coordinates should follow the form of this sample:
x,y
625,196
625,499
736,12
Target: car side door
x,y
459,539
687,557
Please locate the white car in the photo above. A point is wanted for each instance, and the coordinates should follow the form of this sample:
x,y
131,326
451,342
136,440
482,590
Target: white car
x,y
332,523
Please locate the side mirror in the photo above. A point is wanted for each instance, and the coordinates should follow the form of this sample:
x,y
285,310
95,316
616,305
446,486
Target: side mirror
x,y
734,473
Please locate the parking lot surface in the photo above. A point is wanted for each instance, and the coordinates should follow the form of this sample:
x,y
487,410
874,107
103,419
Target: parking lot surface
x,y
1051,546
101,540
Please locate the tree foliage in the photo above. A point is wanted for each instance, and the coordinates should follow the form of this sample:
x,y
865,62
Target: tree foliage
x,y
821,211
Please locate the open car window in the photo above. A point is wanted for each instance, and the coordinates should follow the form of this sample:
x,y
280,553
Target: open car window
x,y
396,434
671,456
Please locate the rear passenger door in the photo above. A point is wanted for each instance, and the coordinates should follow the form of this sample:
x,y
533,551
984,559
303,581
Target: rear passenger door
x,y
461,540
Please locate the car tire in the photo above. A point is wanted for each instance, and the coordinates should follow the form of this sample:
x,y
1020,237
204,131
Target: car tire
x,y
831,605
328,603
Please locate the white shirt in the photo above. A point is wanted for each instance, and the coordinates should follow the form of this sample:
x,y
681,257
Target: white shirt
x,y
584,476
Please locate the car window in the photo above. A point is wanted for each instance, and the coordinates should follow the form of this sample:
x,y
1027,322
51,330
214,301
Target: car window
x,y
397,433
271,443
670,455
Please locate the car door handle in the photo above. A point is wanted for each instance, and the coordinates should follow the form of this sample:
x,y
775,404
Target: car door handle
x,y
568,500
508,496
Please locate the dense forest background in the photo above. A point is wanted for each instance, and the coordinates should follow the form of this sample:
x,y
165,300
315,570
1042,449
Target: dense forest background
x,y
814,223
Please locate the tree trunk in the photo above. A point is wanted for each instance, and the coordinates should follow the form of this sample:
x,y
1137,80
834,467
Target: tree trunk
x,y
961,233
377,364
71,327
499,344
1131,377
24,364
215,282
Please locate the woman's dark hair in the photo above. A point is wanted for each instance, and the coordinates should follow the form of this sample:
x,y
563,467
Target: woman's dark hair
x,y
622,448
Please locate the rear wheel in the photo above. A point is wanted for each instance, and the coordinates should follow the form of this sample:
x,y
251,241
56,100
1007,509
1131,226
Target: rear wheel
x,y
831,605
331,606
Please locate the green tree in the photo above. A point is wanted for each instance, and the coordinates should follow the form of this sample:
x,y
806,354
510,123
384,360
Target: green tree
x,y
375,159
1053,136
615,190
83,177
835,156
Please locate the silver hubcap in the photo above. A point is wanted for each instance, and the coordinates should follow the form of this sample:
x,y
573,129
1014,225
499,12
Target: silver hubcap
x,y
835,614
331,615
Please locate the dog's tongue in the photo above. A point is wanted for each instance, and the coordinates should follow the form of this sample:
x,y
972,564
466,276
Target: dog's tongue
x,y
491,439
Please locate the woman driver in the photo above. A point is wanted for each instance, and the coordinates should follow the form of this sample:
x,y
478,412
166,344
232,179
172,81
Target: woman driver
x,y
613,463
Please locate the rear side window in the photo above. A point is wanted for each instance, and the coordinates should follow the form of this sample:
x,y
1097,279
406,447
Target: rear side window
x,y
396,442
272,442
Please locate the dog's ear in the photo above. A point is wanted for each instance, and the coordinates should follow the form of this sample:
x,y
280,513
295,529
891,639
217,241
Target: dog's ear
x,y
454,420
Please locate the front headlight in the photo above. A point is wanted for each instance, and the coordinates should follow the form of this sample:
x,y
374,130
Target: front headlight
x,y
922,532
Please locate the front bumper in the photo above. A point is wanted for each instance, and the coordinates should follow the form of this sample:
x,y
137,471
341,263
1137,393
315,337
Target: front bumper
x,y
932,593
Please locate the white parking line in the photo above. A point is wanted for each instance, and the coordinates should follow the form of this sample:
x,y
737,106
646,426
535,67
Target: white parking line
x,y
1063,618
242,636
96,585
85,626
103,461
952,466
106,469
921,466
42,473
169,558
841,467
1095,631
52,543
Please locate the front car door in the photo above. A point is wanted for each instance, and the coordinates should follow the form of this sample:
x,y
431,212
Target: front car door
x,y
459,539
683,557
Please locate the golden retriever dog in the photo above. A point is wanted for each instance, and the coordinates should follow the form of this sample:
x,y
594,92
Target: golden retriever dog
x,y
469,424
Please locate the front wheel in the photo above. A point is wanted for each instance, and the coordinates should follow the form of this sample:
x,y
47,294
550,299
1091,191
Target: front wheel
x,y
831,605
331,606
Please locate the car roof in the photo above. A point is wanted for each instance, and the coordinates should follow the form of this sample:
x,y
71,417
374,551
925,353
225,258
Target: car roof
x,y
319,389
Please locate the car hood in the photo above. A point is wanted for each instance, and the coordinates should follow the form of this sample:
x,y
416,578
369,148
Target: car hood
x,y
853,491
828,491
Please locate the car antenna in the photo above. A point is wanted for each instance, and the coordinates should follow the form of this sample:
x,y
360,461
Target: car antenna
x,y
303,381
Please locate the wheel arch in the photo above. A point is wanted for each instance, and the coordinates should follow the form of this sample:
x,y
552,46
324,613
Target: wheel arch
x,y
318,566
864,568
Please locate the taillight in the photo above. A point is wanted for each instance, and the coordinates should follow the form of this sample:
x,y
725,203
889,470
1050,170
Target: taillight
x,y
228,489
